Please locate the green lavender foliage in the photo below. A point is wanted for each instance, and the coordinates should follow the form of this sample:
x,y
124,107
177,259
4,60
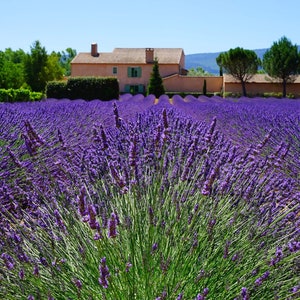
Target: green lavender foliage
x,y
174,233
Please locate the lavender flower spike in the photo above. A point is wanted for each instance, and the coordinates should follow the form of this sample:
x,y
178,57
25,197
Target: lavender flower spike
x,y
112,226
104,273
244,294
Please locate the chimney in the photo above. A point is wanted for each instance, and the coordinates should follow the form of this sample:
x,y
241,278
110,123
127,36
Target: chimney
x,y
94,50
149,55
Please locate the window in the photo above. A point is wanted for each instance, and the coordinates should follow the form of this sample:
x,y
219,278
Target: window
x,y
134,71
115,70
134,89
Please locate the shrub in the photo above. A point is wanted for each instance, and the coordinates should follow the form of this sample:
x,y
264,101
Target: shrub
x,y
6,95
56,89
19,95
36,96
90,88
273,95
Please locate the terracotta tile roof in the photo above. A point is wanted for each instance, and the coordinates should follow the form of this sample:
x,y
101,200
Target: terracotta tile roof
x,y
257,78
130,56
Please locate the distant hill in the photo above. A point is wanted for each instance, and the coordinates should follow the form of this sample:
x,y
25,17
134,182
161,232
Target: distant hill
x,y
207,61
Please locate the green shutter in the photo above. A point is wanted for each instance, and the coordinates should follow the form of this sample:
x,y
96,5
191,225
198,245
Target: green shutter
x,y
129,71
141,88
139,72
127,88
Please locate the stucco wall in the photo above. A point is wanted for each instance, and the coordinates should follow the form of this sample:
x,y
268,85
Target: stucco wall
x,y
122,75
254,88
178,83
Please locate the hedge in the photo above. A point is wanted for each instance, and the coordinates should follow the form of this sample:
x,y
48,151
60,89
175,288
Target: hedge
x,y
19,95
87,88
56,89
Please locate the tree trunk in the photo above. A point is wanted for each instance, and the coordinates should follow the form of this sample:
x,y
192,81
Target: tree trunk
x,y
284,88
244,88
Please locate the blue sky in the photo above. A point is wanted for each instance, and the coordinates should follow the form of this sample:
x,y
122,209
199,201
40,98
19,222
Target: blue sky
x,y
194,25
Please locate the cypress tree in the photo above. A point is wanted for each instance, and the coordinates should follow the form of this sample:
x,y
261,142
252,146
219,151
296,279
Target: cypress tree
x,y
204,88
155,86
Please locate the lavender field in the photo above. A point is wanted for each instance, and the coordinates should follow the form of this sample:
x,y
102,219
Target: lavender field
x,y
144,198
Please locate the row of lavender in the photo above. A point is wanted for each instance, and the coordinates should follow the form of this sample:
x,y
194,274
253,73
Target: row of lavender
x,y
145,199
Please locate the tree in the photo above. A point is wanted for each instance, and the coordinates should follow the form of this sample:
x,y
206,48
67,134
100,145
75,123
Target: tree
x,y
155,83
40,67
11,69
53,68
282,61
199,71
242,64
35,64
204,89
65,60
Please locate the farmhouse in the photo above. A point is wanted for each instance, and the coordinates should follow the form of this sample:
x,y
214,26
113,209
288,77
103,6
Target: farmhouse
x,y
133,66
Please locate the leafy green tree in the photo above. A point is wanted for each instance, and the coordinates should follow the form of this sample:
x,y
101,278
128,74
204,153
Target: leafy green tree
x,y
282,61
35,67
40,67
242,64
198,72
155,83
53,68
12,69
65,60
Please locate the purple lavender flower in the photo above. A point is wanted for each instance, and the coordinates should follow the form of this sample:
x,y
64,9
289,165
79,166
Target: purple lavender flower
x,y
82,202
30,297
154,247
235,257
98,235
59,221
44,261
8,260
104,273
16,237
103,137
180,296
210,131
22,274
133,151
245,294
92,217
277,258
117,117
14,158
163,296
294,246
118,178
112,226
128,266
226,249
78,283
261,279
36,271
205,291
209,182
295,289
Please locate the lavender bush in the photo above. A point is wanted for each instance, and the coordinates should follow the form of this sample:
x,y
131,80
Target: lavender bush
x,y
150,199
